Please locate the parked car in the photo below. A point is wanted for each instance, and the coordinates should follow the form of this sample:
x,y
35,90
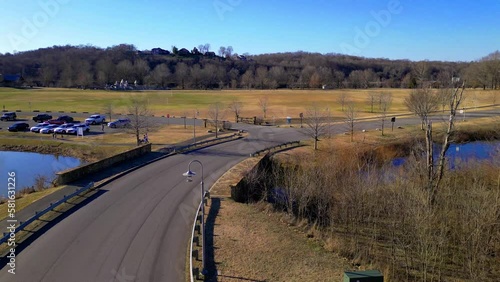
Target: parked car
x,y
8,116
122,122
39,126
74,128
61,120
49,129
95,119
19,126
42,117
63,127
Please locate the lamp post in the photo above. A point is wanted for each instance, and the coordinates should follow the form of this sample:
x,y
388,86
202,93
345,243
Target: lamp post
x,y
194,126
194,130
189,174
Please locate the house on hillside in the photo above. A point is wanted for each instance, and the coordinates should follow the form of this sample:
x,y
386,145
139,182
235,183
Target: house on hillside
x,y
11,80
183,52
210,54
159,51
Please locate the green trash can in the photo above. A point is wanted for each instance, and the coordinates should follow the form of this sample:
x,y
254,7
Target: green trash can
x,y
363,276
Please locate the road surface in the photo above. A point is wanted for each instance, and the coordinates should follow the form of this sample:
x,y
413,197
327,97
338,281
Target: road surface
x,y
138,228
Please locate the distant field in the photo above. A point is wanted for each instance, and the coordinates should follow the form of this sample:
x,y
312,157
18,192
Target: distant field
x,y
281,103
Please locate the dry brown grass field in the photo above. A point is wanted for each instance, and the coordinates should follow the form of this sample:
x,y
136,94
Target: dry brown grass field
x,y
281,103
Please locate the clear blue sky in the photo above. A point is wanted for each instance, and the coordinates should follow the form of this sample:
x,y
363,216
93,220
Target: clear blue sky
x,y
407,29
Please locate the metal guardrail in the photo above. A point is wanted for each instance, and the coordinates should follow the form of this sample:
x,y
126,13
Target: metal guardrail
x,y
275,147
52,206
194,271
201,143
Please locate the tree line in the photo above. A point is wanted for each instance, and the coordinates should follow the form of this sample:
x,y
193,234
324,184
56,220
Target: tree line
x,y
200,68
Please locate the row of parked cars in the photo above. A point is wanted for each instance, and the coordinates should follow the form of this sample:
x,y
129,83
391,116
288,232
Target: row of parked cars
x,y
67,119
67,128
46,128
63,123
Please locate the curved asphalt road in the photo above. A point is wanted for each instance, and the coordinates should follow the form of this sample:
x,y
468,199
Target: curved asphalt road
x,y
137,230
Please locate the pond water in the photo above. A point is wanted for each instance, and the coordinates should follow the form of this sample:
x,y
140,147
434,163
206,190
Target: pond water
x,y
27,166
480,150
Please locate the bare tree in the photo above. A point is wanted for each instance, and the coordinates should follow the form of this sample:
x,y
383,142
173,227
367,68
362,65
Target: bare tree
x,y
204,48
264,104
216,113
350,118
222,51
261,77
160,76
342,99
124,70
108,109
316,123
454,103
422,102
421,72
444,96
182,72
372,97
235,106
248,79
140,113
141,70
229,51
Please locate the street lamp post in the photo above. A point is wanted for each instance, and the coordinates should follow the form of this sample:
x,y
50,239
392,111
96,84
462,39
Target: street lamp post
x,y
194,130
189,174
194,126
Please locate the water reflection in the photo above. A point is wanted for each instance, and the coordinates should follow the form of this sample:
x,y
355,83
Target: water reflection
x,y
457,153
27,166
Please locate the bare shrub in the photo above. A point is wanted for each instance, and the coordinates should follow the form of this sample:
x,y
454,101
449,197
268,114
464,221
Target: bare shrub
x,y
41,182
374,213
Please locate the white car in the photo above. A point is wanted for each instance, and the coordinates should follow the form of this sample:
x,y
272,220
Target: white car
x,y
49,129
74,129
63,128
95,119
39,126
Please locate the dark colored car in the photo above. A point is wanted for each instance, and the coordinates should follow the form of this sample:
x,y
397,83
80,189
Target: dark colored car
x,y
19,126
42,117
122,122
61,120
8,116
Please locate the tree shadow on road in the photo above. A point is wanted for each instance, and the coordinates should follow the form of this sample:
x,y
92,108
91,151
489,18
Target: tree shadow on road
x,y
37,233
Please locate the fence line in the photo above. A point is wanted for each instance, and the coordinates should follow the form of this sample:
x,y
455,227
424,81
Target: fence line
x,y
37,215
291,143
193,271
187,147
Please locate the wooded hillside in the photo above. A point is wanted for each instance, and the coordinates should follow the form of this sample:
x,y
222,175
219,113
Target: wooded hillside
x,y
93,67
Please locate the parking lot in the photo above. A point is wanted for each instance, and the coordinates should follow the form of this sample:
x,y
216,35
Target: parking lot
x,y
96,129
